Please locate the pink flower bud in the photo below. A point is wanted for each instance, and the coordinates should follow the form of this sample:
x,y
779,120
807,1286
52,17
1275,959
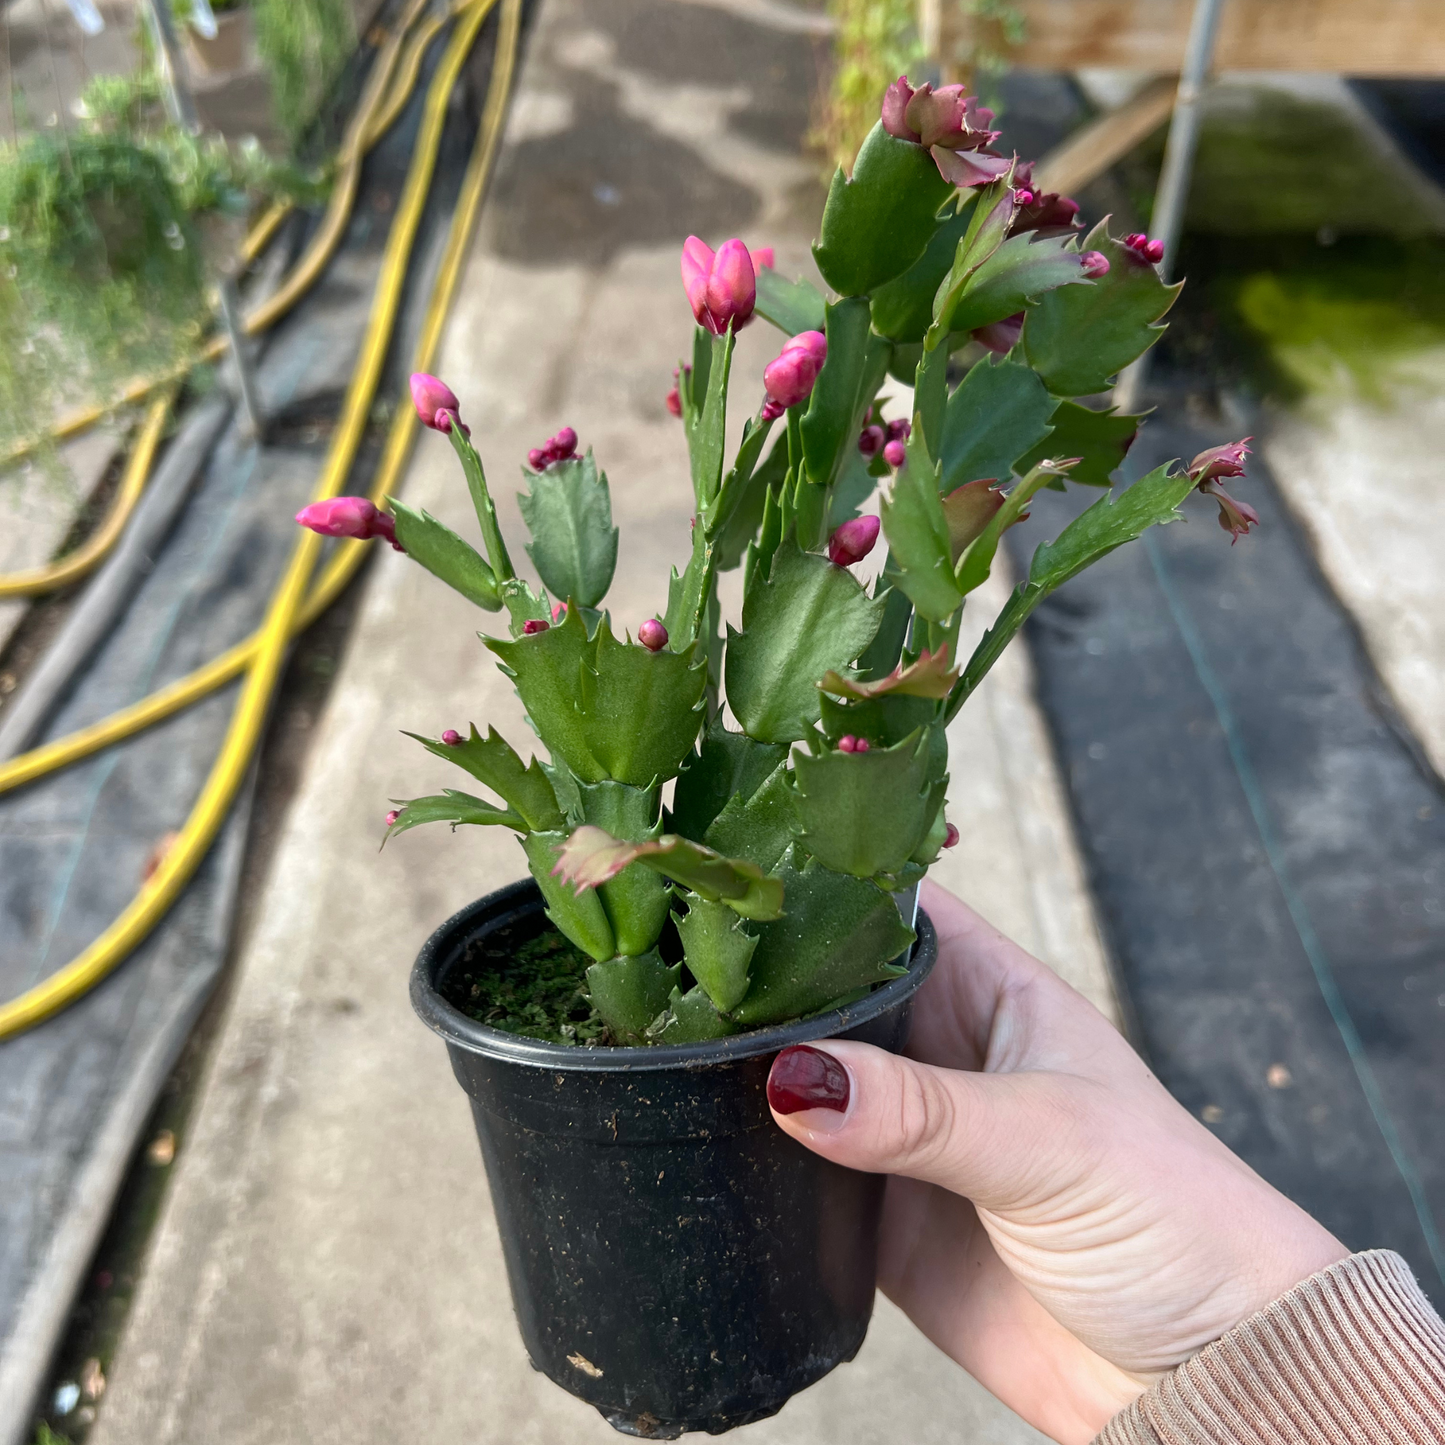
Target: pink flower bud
x,y
789,379
652,635
1226,461
1023,196
432,398
1094,264
1001,336
950,837
772,410
451,737
721,286
673,401
392,816
895,454
1151,253
900,429
564,443
871,439
536,459
853,541
349,517
533,625
1045,212
847,743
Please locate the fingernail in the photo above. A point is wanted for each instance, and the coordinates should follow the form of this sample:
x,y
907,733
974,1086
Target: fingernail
x,y
807,1078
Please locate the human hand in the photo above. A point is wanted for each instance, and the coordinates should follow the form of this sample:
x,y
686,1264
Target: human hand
x,y
1061,1226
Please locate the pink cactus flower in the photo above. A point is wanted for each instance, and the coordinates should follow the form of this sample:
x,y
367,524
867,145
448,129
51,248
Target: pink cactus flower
x,y
721,285
436,403
895,454
1151,253
652,635
952,126
871,440
1225,461
1001,336
451,737
533,625
1094,264
349,517
1235,517
789,378
853,541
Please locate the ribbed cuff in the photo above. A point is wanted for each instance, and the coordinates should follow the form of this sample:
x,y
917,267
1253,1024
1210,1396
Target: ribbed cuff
x,y
1353,1354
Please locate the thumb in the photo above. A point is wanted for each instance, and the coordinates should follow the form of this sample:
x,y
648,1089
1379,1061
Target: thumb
x,y
878,1112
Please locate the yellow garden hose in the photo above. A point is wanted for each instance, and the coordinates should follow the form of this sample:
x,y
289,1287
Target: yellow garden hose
x,y
264,665
76,564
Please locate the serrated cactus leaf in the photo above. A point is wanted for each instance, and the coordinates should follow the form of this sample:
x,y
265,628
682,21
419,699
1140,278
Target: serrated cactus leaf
x,y
577,912
929,675
1100,439
629,993
807,618
864,813
637,899
855,367
760,828
568,510
917,532
1079,338
837,935
745,516
450,806
705,421
717,950
998,413
1114,519
690,1018
877,224
444,554
726,764
1013,278
792,306
591,857
902,310
492,760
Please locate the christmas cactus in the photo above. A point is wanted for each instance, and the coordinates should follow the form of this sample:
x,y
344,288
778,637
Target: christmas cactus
x,y
806,748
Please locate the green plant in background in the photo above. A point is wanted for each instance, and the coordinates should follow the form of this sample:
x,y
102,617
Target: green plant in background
x,y
819,793
304,44
874,43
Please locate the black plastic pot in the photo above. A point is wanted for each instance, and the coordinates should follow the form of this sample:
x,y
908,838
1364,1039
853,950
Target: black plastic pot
x,y
675,1259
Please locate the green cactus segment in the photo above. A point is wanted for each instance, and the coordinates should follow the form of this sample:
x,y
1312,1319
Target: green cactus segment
x,y
591,856
725,765
882,654
445,555
574,545
807,618
1012,279
745,516
999,412
607,709
792,306
1079,338
497,556
739,480
760,828
629,993
974,566
988,226
903,309
1100,439
704,413
1113,520
717,950
878,223
690,1018
866,813
492,760
577,913
637,899
450,806
855,367
917,532
835,938
884,721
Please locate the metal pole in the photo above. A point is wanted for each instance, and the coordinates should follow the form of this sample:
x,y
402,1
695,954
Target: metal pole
x,y
1172,196
181,107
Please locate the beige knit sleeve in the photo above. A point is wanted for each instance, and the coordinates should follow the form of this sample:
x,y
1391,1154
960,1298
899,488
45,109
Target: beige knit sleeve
x,y
1352,1356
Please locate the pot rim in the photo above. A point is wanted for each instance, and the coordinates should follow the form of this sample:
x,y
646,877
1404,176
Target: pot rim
x,y
459,1031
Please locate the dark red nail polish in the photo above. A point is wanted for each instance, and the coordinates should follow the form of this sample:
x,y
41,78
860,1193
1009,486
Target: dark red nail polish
x,y
807,1078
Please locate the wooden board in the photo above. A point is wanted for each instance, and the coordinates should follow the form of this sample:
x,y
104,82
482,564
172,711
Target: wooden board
x,y
1347,37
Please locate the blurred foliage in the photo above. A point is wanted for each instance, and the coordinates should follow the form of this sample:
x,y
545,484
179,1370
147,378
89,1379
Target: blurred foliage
x,y
305,44
102,266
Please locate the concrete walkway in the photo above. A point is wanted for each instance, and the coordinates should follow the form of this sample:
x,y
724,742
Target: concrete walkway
x,y
326,1268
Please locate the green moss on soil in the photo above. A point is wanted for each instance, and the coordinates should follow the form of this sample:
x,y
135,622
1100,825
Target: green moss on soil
x,y
533,986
